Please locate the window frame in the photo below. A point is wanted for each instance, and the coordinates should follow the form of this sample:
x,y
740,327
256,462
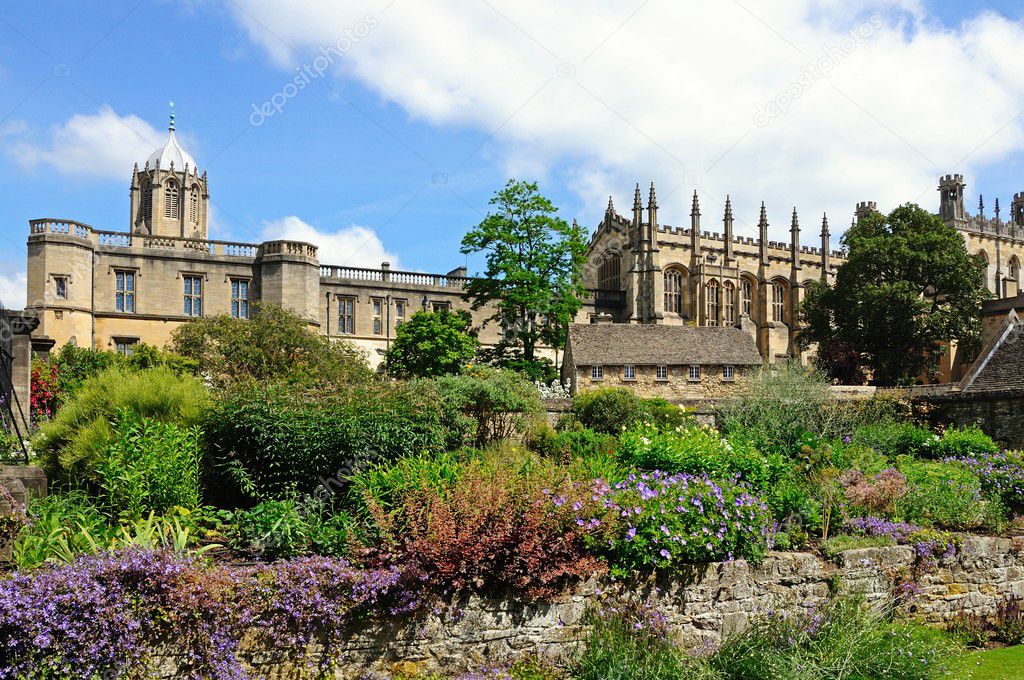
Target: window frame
x,y
661,373
629,372
348,328
192,302
237,300
128,343
377,315
125,297
694,375
747,297
597,372
60,287
401,307
778,302
172,200
728,373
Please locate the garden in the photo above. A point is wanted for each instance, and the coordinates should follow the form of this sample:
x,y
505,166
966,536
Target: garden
x,y
255,486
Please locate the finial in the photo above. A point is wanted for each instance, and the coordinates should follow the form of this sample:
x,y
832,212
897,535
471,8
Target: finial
x,y
695,210
981,205
728,207
763,222
997,208
652,202
637,202
170,127
796,221
824,225
611,206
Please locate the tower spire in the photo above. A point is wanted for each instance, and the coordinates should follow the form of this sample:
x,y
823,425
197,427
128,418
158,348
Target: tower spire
x,y
728,229
997,208
762,232
825,247
981,205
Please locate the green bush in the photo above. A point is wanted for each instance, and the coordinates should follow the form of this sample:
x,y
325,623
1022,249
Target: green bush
x,y
966,442
838,544
611,410
700,450
897,439
270,441
495,404
76,439
292,527
944,494
277,345
149,467
432,344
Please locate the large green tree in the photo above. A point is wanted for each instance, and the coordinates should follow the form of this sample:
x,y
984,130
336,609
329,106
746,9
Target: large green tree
x,y
908,287
534,267
432,344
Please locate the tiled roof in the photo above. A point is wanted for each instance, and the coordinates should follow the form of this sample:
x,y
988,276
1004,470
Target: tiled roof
x,y
616,344
1000,367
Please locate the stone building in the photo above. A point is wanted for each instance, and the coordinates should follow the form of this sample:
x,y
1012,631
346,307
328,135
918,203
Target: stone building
x,y
114,289
681,363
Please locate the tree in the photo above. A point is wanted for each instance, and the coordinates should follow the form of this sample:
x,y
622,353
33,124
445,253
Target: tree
x,y
276,345
432,344
907,289
534,267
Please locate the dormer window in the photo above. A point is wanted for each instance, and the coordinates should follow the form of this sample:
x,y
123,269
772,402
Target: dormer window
x,y
171,200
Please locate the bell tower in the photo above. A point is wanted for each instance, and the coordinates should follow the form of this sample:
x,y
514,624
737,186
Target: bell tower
x,y
951,188
168,195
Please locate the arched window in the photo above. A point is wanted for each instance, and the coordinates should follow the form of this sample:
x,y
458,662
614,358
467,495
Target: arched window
x,y
193,205
675,286
779,301
171,206
729,292
747,297
714,302
1012,278
608,272
147,202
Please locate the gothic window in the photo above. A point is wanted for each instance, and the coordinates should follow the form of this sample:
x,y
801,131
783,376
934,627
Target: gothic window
x,y
714,302
171,207
193,205
729,290
675,285
779,302
608,273
147,202
747,297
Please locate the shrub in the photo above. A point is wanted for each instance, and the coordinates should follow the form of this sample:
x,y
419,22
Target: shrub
x,y
611,410
969,629
432,344
842,639
495,403
967,442
149,467
897,439
292,527
945,494
877,495
700,450
269,441
664,521
502,524
71,444
275,346
1001,474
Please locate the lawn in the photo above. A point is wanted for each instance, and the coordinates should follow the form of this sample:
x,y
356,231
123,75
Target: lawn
x,y
997,664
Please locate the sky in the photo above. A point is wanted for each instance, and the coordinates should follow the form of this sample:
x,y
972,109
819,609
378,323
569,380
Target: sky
x,y
380,129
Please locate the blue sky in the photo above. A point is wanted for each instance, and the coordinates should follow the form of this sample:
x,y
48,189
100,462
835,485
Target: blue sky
x,y
426,108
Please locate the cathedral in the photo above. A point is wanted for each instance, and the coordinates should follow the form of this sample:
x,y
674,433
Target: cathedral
x,y
114,289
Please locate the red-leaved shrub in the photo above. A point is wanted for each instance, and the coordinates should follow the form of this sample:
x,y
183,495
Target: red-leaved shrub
x,y
493,529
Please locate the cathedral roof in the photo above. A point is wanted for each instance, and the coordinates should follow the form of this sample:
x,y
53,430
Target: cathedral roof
x,y
171,152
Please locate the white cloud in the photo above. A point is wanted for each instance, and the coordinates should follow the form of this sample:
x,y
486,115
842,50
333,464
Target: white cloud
x,y
670,91
103,145
13,290
353,246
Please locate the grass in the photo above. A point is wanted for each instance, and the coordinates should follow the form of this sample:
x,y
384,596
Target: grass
x,y
997,664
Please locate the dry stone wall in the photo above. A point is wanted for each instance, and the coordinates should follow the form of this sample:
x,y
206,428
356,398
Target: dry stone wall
x,y
709,602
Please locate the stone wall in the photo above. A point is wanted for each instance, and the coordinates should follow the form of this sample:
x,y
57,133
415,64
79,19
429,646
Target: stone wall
x,y
705,604
998,414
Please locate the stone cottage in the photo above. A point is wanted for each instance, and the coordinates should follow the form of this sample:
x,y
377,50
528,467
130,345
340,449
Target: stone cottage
x,y
684,364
